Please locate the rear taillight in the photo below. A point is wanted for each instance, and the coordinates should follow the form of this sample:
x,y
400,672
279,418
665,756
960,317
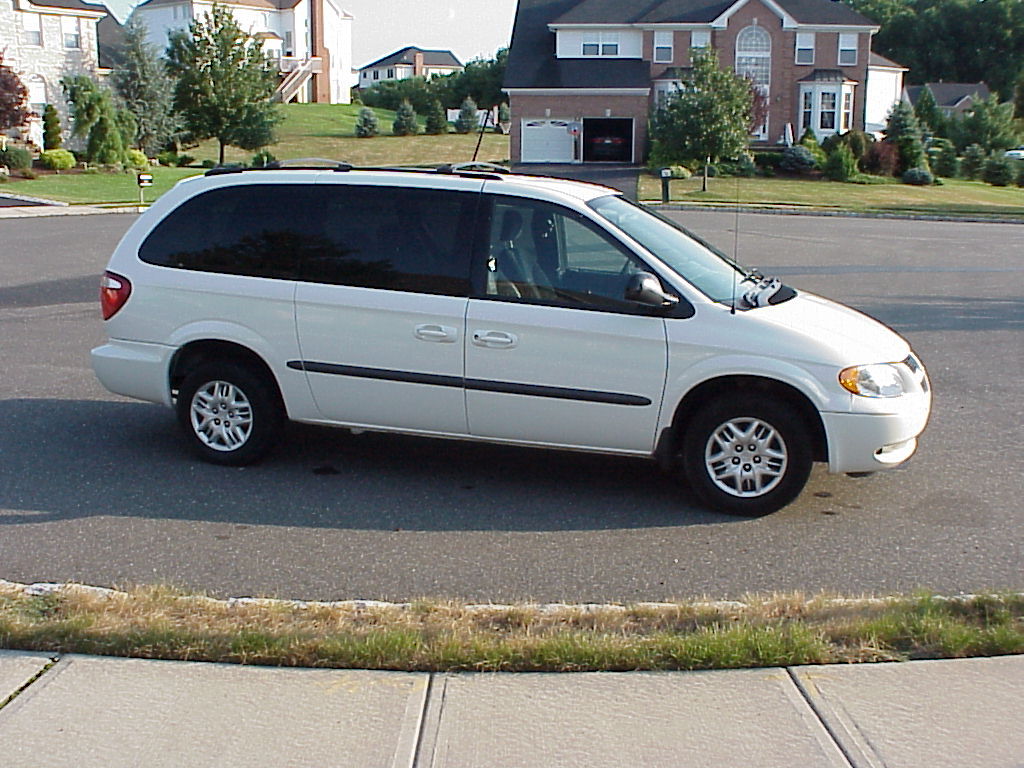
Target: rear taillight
x,y
114,292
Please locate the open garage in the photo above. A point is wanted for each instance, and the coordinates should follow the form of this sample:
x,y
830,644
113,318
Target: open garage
x,y
608,140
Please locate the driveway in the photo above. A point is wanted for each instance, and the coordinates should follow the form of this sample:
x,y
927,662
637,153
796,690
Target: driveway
x,y
621,176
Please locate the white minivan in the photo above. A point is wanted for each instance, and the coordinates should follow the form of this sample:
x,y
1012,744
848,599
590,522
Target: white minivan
x,y
490,306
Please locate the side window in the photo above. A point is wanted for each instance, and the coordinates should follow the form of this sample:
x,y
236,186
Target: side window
x,y
544,253
256,230
398,239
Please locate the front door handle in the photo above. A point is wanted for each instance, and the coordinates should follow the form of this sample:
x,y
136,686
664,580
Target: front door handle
x,y
432,332
495,339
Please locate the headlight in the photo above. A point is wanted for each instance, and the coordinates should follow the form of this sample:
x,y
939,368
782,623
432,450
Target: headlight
x,y
880,380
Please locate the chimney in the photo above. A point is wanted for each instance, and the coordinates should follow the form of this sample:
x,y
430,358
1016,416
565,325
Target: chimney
x,y
417,63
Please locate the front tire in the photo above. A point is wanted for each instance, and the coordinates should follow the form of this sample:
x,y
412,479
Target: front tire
x,y
230,412
747,456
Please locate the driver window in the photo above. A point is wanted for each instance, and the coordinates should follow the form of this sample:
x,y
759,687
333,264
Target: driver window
x,y
540,252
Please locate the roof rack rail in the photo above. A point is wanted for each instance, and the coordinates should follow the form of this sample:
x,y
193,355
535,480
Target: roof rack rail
x,y
309,163
472,166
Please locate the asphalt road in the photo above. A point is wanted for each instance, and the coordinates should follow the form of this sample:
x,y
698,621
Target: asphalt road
x,y
98,489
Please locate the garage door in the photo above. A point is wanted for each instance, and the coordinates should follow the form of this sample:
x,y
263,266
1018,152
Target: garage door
x,y
547,141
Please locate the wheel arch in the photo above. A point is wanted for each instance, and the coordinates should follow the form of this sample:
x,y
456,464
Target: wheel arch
x,y
732,385
214,350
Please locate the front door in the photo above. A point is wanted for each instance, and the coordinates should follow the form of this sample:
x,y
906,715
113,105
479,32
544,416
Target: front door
x,y
554,353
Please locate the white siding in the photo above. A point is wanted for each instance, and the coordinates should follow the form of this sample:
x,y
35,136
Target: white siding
x,y
884,89
569,43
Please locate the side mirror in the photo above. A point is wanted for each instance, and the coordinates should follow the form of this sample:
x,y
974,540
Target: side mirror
x,y
645,288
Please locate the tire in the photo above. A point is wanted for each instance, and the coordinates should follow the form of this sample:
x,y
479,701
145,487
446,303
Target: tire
x,y
230,412
723,471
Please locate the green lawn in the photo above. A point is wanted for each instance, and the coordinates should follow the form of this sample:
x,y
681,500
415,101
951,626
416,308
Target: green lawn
x,y
952,197
309,130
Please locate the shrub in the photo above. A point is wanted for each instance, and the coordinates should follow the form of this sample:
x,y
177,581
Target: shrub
x,y
998,170
767,160
680,172
974,159
51,128
467,121
437,119
137,160
57,159
831,142
860,143
208,164
28,173
810,141
366,123
797,159
405,123
184,160
881,159
841,164
1020,174
167,158
262,159
919,177
942,158
16,158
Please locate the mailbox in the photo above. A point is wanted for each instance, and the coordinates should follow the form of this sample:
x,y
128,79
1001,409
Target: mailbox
x,y
145,179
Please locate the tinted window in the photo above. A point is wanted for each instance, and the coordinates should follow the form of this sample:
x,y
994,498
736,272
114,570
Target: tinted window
x,y
375,237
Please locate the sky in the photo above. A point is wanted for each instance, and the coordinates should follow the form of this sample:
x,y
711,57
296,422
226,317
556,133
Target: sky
x,y
468,28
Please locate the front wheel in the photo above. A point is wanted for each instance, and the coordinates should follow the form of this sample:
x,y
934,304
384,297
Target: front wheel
x,y
747,456
230,413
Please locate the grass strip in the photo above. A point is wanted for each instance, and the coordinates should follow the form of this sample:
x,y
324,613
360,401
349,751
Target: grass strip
x,y
434,635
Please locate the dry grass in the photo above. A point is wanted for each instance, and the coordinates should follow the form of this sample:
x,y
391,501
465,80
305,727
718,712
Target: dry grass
x,y
158,622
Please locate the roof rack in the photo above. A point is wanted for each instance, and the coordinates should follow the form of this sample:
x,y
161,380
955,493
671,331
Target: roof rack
x,y
474,169
298,164
472,166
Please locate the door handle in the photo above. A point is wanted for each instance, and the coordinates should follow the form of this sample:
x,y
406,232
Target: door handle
x,y
431,332
495,339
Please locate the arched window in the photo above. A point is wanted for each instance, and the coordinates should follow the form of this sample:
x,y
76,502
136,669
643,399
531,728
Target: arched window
x,y
754,56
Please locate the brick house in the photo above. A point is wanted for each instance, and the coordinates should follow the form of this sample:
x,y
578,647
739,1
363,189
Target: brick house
x,y
583,75
44,41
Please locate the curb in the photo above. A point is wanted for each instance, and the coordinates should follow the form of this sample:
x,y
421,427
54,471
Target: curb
x,y
786,211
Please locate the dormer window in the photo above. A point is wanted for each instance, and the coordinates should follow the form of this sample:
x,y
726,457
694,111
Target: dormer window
x,y
601,44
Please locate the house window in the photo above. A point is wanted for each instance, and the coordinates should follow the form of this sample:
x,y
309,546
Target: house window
x,y
804,47
33,29
71,31
808,109
376,74
36,87
700,38
847,50
847,110
754,56
288,45
828,111
663,47
601,44
391,74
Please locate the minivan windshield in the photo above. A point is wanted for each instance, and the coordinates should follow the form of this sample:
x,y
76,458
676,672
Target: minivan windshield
x,y
695,261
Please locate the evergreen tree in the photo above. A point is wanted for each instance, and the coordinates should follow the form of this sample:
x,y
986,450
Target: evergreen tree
x,y
903,131
224,83
708,118
14,111
942,158
366,123
95,116
974,159
810,141
51,128
989,124
405,123
841,165
929,116
467,121
147,90
437,119
998,170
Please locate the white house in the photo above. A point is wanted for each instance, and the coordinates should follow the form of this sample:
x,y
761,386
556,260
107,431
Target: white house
x,y
311,39
44,41
409,62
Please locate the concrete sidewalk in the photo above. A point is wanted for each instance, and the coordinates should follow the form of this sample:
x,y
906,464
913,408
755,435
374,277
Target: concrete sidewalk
x,y
84,711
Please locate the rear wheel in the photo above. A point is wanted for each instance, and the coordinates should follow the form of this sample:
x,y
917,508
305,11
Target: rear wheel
x,y
747,456
230,412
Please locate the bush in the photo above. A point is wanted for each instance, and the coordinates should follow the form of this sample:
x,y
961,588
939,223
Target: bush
x,y
919,177
1020,174
467,121
881,159
974,159
366,124
860,143
841,165
184,160
405,123
437,119
831,142
167,158
942,158
767,160
208,164
51,128
810,141
998,170
137,160
16,158
680,172
57,159
262,159
797,159
28,173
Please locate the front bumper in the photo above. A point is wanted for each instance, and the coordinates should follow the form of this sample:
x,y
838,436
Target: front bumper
x,y
863,442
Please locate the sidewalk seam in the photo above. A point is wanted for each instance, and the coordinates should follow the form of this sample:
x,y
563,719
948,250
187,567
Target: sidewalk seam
x,y
805,694
46,668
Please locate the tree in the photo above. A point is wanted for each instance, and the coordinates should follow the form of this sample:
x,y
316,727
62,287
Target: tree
x,y
405,123
903,131
366,123
709,117
974,159
51,128
14,112
94,115
467,121
437,119
481,81
147,90
224,83
989,124
841,165
929,116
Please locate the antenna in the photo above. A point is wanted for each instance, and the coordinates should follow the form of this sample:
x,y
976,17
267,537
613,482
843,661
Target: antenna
x,y
735,247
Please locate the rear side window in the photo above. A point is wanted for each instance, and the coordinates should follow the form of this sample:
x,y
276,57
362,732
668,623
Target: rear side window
x,y
373,237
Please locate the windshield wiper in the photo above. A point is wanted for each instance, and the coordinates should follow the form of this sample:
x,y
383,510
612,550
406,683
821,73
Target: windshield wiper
x,y
762,289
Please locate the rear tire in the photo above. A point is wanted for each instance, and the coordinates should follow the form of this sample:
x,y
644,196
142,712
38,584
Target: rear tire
x,y
230,412
746,456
